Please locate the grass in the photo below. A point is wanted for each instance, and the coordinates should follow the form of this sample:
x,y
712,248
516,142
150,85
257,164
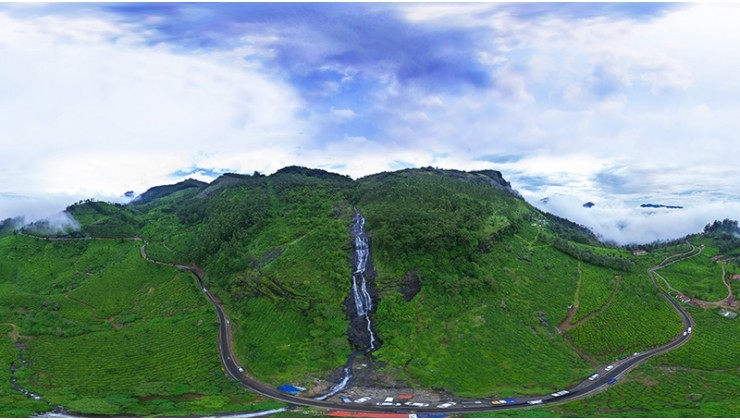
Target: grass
x,y
596,289
12,402
661,391
698,277
479,341
106,332
715,344
638,318
651,391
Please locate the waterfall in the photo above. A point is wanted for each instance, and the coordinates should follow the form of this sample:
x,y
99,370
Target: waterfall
x,y
363,301
362,298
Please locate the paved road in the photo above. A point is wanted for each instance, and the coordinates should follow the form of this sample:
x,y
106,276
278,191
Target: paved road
x,y
585,388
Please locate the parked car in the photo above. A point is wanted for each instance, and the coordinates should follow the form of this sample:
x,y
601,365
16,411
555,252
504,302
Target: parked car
x,y
608,368
593,377
416,404
446,405
388,401
612,380
471,402
363,399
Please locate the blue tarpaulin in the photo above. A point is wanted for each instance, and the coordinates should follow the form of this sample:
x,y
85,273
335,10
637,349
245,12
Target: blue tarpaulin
x,y
290,389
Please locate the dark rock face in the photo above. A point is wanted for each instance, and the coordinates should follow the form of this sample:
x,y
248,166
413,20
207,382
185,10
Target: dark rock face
x,y
410,285
359,336
358,333
496,178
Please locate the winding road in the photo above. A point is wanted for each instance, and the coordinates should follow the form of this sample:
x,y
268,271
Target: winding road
x,y
587,387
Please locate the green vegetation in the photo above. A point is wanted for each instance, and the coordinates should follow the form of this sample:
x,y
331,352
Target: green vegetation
x,y
473,285
596,290
105,332
699,277
652,391
662,391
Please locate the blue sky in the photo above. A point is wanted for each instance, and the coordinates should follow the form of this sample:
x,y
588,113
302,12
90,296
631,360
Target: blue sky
x,y
615,103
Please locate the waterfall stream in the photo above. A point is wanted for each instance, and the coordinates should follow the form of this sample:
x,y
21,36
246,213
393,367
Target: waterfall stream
x,y
362,301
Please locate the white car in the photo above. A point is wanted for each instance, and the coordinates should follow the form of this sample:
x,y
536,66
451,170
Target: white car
x,y
241,369
534,402
608,368
446,405
560,393
363,399
416,404
593,377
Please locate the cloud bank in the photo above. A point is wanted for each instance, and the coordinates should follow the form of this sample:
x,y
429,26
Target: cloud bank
x,y
617,103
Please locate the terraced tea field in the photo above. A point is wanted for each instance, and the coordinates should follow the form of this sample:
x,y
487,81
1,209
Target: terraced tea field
x,y
106,332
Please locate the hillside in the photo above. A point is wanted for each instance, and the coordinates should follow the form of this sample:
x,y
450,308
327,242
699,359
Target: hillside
x,y
475,293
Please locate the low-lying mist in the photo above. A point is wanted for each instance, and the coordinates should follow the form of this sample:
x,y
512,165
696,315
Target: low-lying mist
x,y
617,222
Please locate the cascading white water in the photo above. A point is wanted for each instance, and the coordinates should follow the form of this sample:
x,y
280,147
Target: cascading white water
x,y
362,299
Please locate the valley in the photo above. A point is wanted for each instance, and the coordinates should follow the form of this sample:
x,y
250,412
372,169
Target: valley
x,y
484,322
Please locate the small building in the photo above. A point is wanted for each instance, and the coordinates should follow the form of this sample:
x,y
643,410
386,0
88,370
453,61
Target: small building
x,y
639,252
736,277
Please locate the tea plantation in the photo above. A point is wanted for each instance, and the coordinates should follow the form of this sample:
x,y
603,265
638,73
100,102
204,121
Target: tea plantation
x,y
476,293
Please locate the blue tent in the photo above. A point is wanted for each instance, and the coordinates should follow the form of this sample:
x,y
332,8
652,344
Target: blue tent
x,y
290,389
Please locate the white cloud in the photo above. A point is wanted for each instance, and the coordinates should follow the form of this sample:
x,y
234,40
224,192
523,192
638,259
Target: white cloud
x,y
342,114
87,108
623,224
614,110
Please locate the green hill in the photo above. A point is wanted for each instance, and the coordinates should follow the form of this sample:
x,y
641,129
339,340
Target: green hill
x,y
477,293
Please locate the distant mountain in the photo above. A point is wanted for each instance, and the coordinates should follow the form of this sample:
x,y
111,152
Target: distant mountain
x,y
657,206
165,190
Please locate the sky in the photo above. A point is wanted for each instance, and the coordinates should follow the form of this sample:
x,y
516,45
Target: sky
x,y
618,104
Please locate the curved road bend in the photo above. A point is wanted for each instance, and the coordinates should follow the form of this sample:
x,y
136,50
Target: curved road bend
x,y
234,370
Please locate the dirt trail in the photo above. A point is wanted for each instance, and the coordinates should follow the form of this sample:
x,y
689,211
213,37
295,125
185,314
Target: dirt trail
x,y
726,303
14,334
566,324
